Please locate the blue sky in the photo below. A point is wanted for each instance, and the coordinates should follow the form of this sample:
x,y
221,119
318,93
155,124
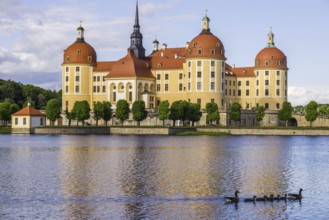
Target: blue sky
x,y
33,35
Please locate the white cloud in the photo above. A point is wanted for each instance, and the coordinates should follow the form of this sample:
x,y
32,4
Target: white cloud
x,y
303,95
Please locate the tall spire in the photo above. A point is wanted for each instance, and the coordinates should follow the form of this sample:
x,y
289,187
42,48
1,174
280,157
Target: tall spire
x,y
136,38
270,42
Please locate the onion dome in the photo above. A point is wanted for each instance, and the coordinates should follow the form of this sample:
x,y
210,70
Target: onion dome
x,y
80,51
206,45
271,56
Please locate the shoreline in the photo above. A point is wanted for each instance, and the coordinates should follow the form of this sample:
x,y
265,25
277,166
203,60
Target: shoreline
x,y
186,131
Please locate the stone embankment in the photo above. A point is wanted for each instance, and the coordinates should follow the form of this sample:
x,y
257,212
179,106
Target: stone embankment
x,y
269,131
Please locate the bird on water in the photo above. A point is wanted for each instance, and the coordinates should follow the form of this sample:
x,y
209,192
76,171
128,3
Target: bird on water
x,y
296,196
234,199
253,199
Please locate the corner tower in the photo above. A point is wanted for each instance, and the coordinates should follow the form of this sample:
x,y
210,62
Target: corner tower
x,y
136,38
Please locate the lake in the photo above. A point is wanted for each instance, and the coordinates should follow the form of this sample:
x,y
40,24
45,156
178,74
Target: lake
x,y
161,177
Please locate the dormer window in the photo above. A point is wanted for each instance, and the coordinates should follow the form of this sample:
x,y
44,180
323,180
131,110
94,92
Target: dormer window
x,y
278,62
213,51
194,45
67,59
217,44
78,51
222,51
199,51
159,65
257,62
267,62
90,59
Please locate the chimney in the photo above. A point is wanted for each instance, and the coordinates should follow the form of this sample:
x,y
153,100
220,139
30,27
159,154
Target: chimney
x,y
187,44
164,46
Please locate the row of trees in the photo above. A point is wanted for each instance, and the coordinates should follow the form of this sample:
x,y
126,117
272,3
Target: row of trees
x,y
20,94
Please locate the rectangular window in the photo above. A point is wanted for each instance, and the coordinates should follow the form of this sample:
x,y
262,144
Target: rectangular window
x,y
239,83
189,86
199,63
114,96
225,82
199,101
212,74
247,83
181,76
94,78
77,89
98,89
104,88
77,69
285,92
199,74
278,92
66,104
94,89
41,121
266,82
212,86
229,92
16,121
285,82
247,105
278,73
213,51
233,83
158,76
67,69
166,87
257,92
158,87
77,78
24,121
130,96
230,82
180,86
278,82
199,85
67,89
277,105
247,92
267,93
239,92
266,105
257,82
233,92
225,91
67,78
103,78
166,76
151,98
189,63
266,73
212,63
212,100
189,74
98,79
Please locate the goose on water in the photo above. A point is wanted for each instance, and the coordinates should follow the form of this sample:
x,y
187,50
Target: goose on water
x,y
296,196
234,199
262,199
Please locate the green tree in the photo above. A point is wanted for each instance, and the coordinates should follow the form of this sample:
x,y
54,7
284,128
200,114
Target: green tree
x,y
70,116
5,114
163,109
81,110
183,111
107,110
122,110
311,112
260,113
235,113
14,108
212,112
175,112
139,112
53,110
286,112
98,111
194,113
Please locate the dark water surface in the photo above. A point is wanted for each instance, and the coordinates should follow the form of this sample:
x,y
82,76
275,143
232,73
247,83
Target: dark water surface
x,y
161,177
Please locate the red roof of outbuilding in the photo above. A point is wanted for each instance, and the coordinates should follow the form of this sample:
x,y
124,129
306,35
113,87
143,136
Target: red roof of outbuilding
x,y
29,111
104,66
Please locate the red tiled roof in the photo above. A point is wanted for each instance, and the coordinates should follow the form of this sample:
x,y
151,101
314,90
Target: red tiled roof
x,y
29,111
243,71
130,66
274,57
104,66
169,58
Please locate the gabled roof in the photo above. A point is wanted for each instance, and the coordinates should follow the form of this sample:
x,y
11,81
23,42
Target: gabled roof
x,y
169,58
28,111
240,71
104,66
130,66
